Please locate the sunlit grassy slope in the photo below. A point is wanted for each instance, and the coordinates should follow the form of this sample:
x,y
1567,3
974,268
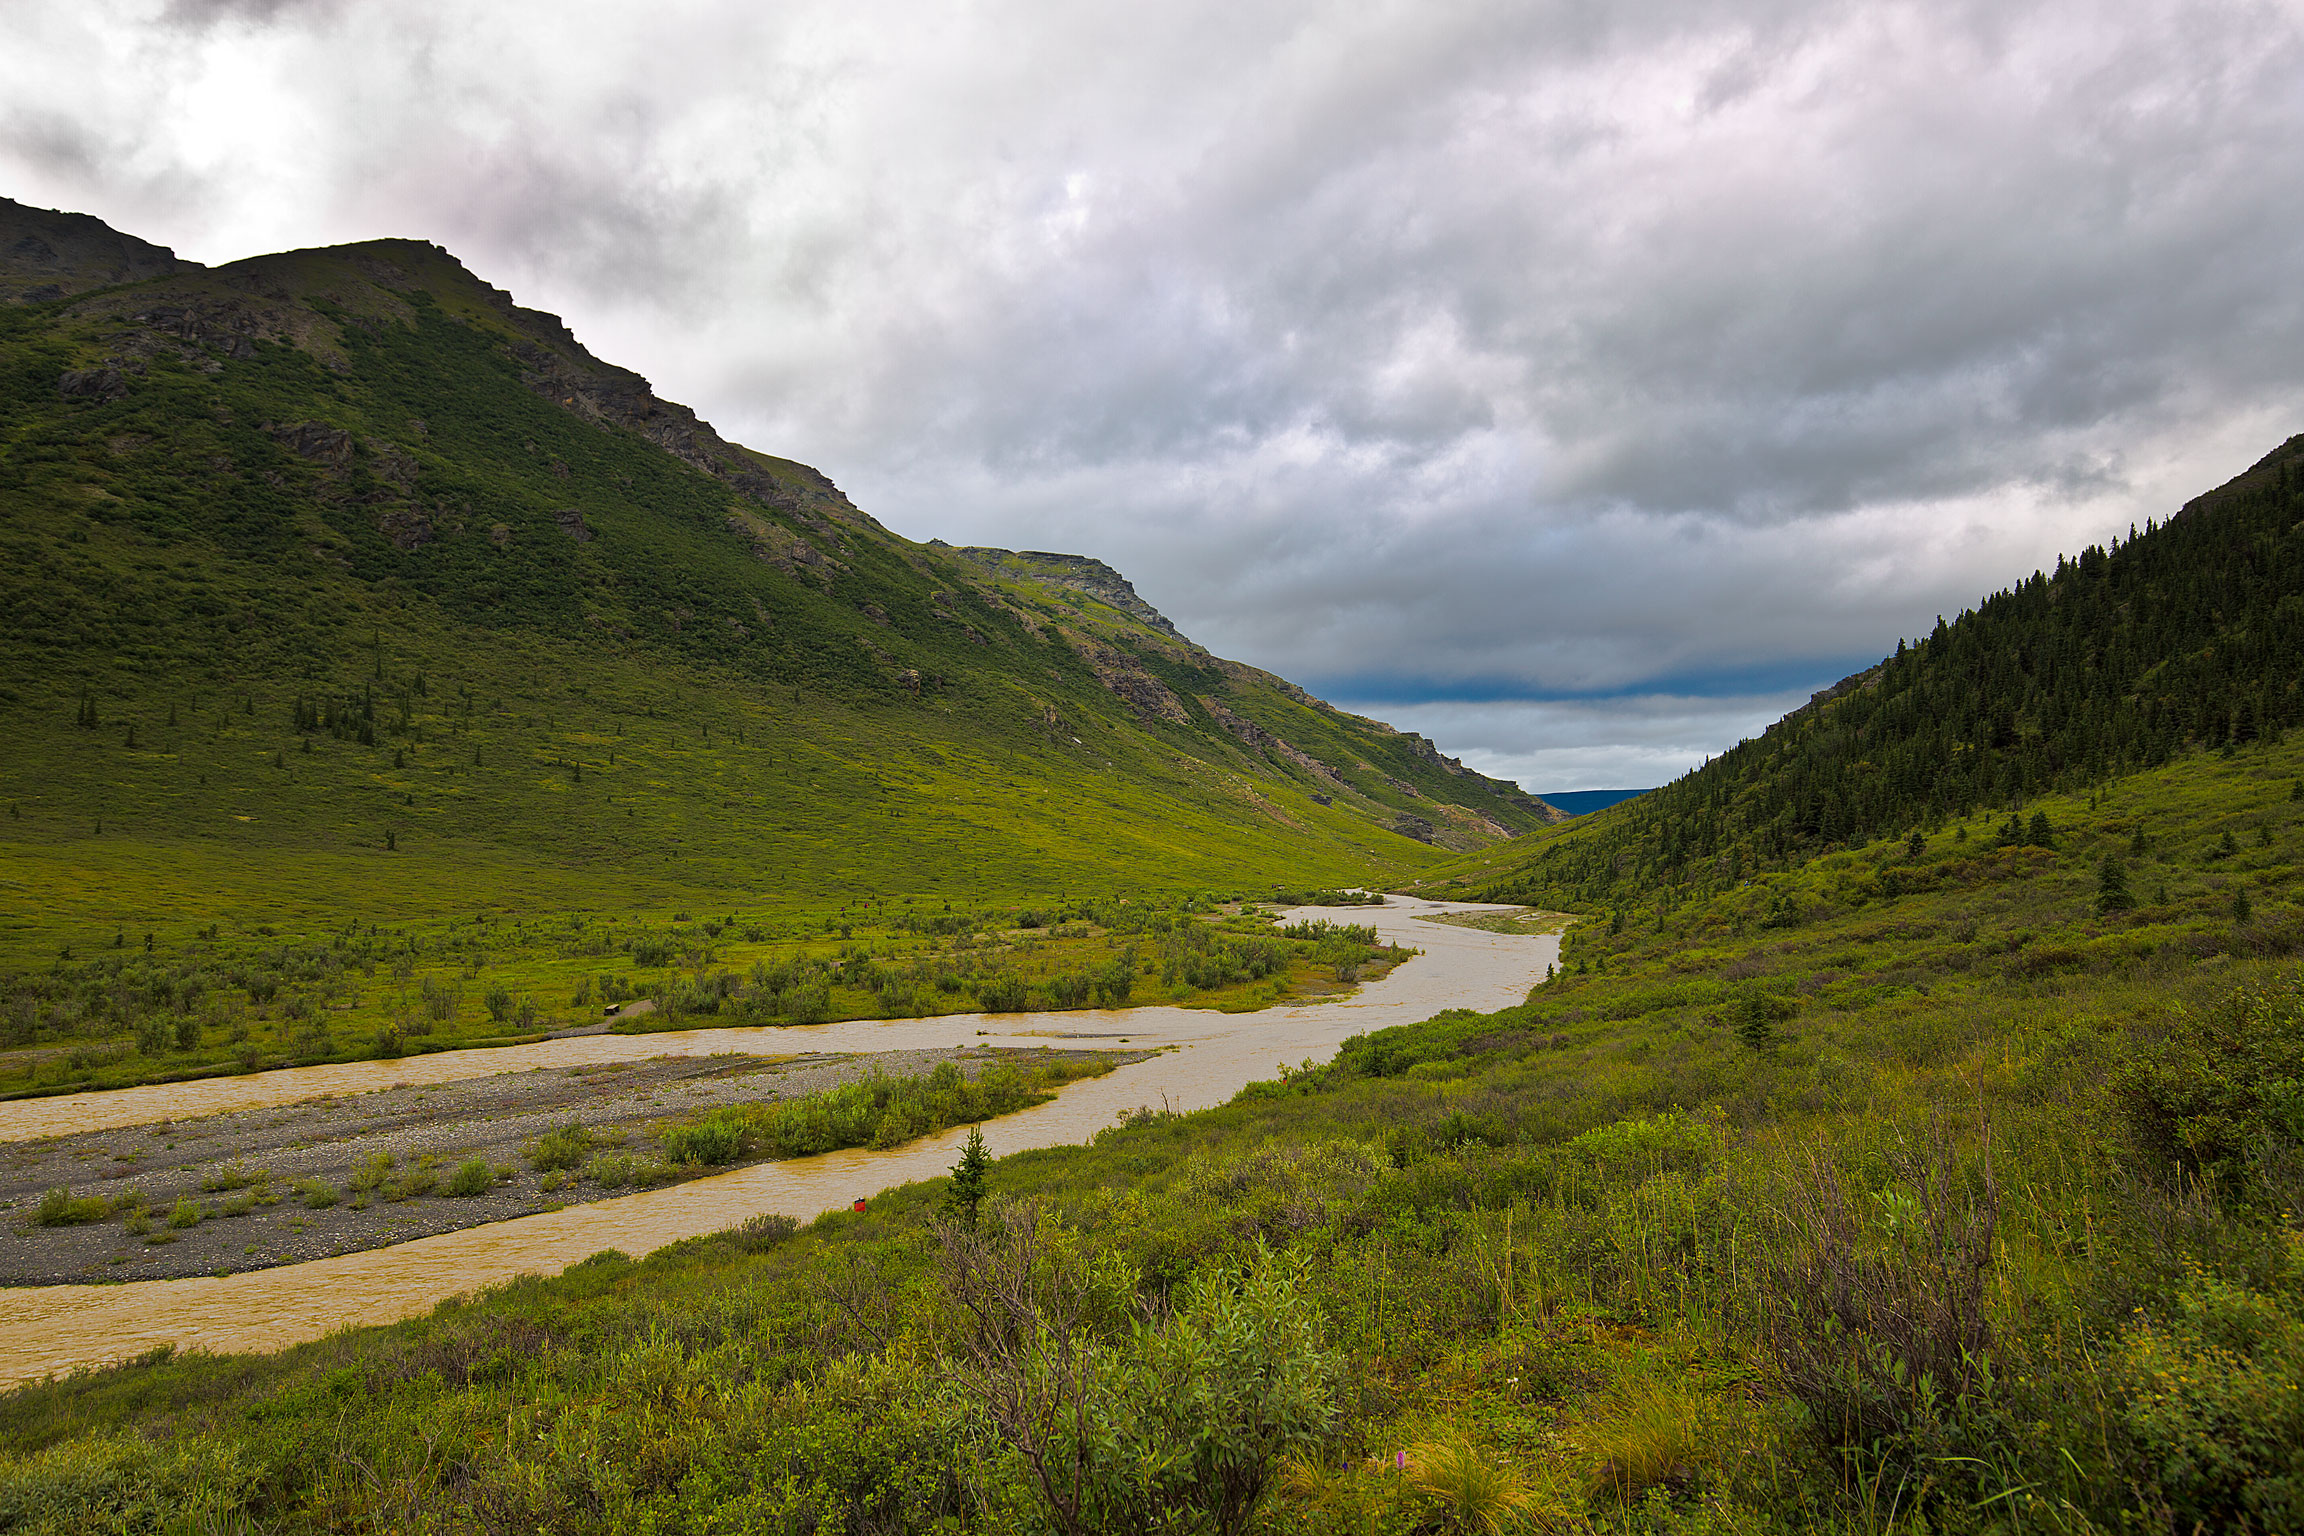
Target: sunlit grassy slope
x,y
334,586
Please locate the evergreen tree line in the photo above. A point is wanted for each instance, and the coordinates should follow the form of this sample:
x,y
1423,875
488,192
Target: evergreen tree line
x,y
2186,636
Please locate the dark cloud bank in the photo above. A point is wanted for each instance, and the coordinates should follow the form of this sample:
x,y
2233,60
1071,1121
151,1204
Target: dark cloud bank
x,y
1580,385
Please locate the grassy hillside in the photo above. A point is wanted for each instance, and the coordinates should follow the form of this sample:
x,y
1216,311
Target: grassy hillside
x,y
2188,635
336,587
1913,1190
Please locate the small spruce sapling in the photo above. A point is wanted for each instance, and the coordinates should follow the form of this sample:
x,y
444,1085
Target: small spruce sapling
x,y
969,1177
2112,887
2242,911
1754,1026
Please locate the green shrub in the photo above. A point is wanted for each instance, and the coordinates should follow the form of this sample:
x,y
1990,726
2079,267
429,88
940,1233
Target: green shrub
x,y
566,1147
187,1212
1877,1314
370,1172
231,1176
715,1139
316,1194
1180,1423
621,1170
1669,1142
118,1485
472,1177
59,1208
1003,994
418,1180
2213,1407
2222,1093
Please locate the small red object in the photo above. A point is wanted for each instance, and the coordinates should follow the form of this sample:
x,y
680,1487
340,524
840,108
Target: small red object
x,y
859,1205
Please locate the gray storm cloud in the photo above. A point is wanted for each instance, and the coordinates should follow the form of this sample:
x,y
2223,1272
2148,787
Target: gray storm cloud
x,y
1508,368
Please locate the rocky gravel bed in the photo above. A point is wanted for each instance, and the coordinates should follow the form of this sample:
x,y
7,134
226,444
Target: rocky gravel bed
x,y
259,1178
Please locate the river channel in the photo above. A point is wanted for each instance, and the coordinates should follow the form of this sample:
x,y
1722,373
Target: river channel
x,y
46,1329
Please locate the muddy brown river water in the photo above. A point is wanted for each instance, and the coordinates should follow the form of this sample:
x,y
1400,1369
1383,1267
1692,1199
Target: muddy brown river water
x,y
46,1329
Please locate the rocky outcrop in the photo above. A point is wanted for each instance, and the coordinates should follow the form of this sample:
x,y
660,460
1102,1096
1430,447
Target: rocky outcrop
x,y
1076,573
555,365
1255,737
406,525
92,384
322,444
1145,695
776,545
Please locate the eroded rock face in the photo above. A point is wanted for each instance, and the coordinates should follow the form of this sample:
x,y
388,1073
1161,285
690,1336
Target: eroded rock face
x,y
92,384
1413,826
1079,573
571,523
408,527
1138,689
1256,738
317,441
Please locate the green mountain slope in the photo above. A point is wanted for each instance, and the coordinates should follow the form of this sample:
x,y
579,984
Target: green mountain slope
x,y
336,585
2188,635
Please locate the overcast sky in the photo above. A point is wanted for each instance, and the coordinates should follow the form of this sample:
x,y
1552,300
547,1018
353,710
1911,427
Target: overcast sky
x,y
1580,383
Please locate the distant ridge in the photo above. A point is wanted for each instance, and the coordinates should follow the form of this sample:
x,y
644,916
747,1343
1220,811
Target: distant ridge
x,y
1583,802
48,254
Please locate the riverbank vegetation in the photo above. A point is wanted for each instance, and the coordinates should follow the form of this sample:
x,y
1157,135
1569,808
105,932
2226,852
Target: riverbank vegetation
x,y
221,1003
1958,1202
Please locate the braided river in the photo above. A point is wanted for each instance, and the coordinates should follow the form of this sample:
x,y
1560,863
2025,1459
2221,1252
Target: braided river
x,y
1208,1058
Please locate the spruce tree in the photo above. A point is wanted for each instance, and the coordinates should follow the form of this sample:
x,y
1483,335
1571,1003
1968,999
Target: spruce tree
x,y
2241,909
1753,1025
2112,887
969,1178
